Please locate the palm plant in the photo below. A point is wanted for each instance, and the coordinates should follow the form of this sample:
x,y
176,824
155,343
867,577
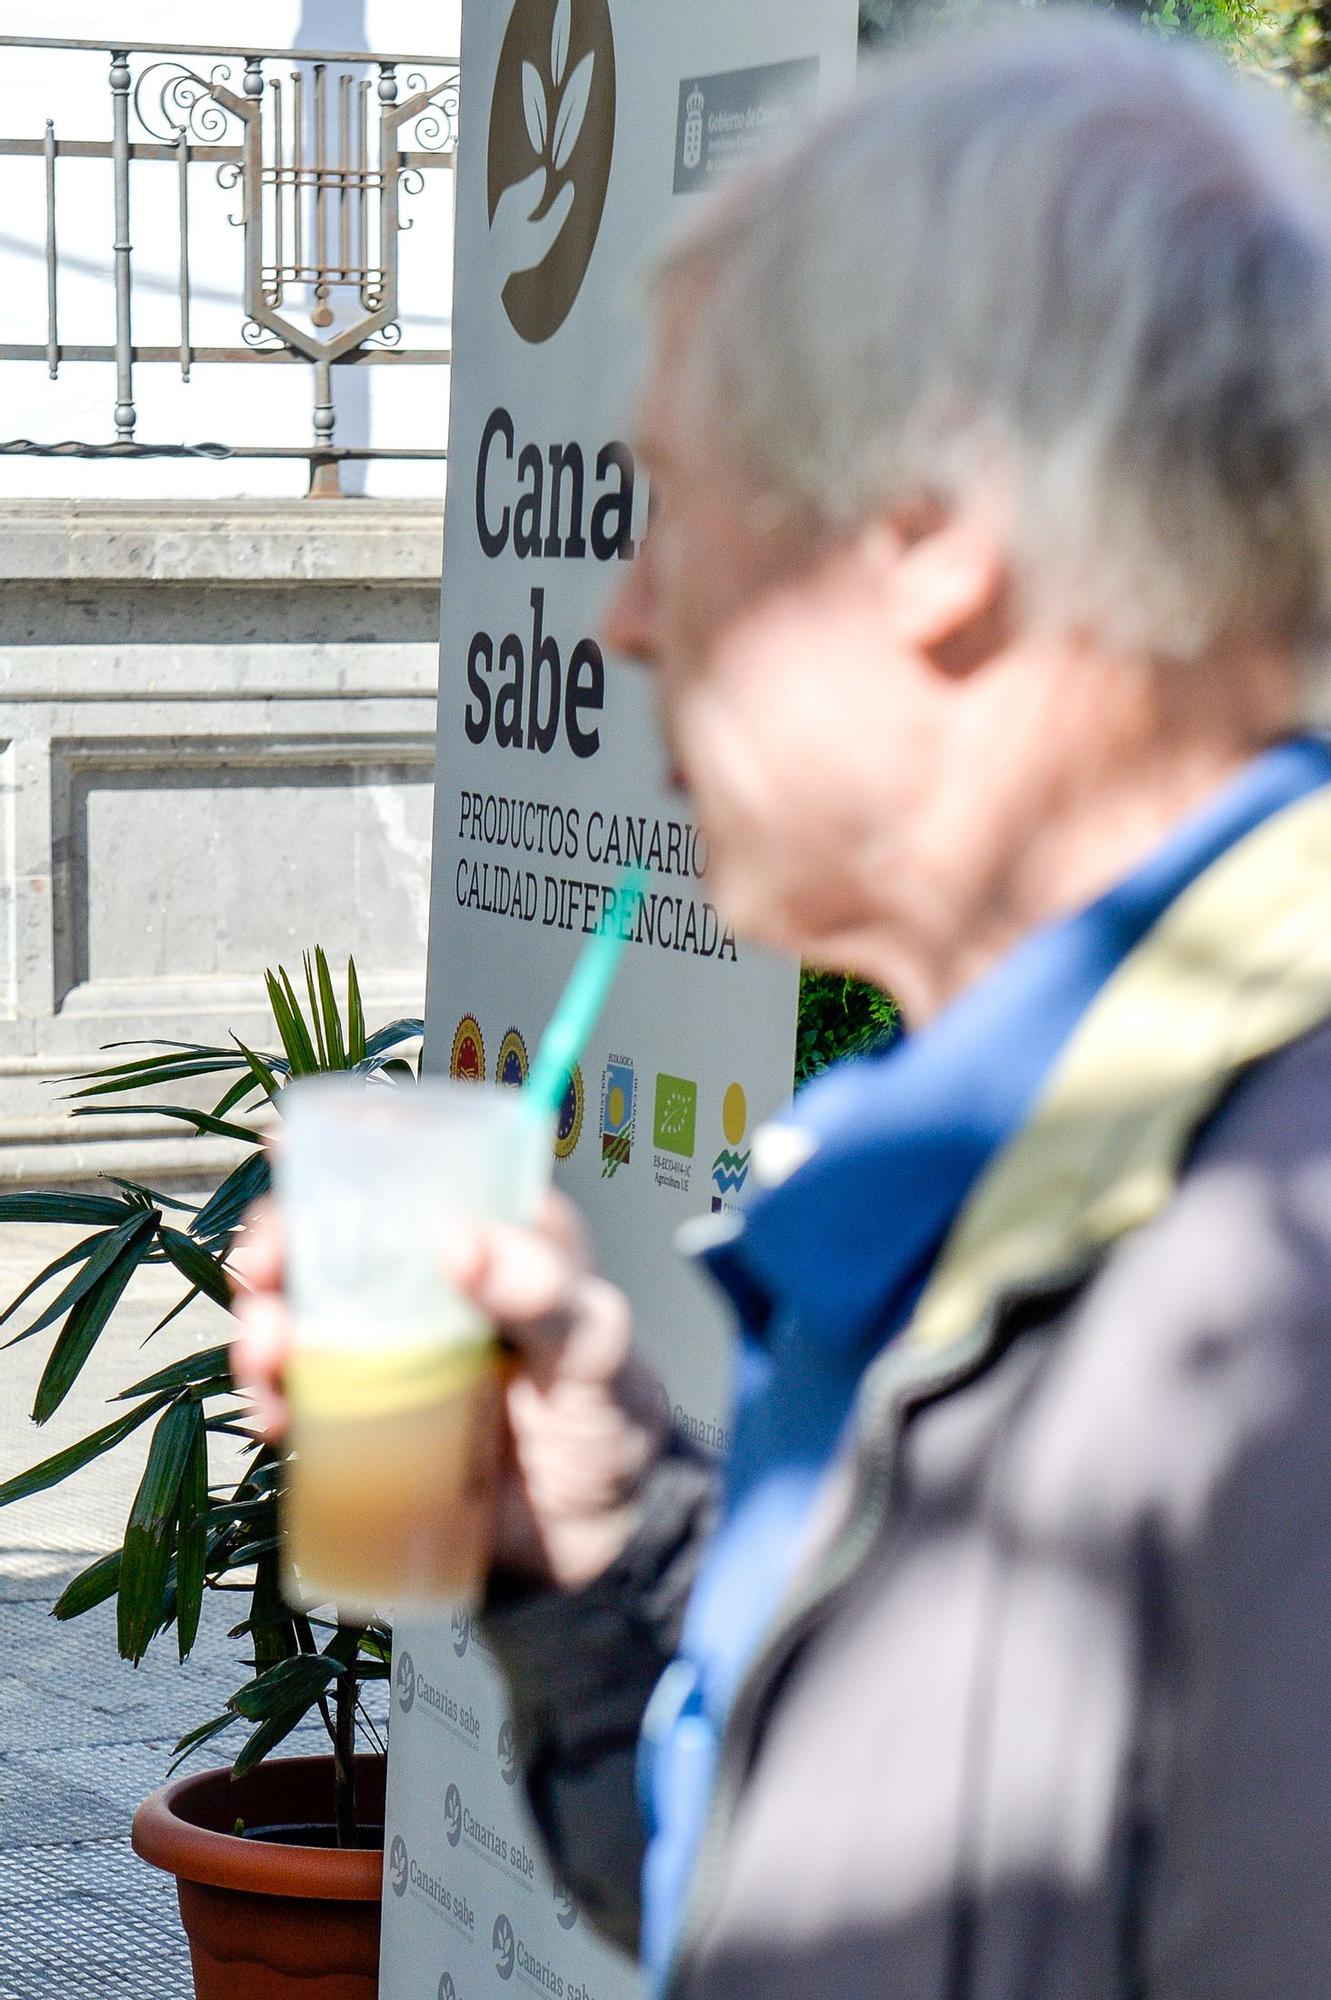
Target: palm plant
x,y
185,1537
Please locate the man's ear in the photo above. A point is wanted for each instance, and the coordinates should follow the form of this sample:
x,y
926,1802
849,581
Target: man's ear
x,y
946,583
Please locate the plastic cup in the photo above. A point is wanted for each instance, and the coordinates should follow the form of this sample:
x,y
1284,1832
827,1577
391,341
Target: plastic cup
x,y
394,1381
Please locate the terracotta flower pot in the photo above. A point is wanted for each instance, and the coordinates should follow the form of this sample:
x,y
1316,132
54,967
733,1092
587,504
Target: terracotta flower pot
x,y
270,1918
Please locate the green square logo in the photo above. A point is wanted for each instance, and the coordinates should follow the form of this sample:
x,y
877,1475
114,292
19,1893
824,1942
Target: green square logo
x,y
676,1115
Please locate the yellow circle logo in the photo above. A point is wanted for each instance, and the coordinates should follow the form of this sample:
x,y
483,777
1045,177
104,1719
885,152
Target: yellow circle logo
x,y
467,1061
511,1062
734,1114
573,1105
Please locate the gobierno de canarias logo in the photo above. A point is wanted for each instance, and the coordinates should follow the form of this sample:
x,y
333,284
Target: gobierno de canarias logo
x,y
551,139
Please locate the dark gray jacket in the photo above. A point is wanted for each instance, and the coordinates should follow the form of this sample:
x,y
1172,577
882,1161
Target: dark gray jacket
x,y
1051,1716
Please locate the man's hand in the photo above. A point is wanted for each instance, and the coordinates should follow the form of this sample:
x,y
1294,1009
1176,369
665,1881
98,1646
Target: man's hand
x,y
586,1417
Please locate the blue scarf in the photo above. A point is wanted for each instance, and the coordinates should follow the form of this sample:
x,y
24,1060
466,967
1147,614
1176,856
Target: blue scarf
x,y
825,1268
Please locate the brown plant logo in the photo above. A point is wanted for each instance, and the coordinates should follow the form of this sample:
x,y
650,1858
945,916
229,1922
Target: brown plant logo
x,y
398,1866
552,132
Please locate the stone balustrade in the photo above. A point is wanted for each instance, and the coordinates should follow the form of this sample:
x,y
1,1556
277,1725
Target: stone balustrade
x,y
216,749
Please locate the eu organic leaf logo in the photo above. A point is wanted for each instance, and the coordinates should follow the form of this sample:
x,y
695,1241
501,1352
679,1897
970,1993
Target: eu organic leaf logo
x,y
553,139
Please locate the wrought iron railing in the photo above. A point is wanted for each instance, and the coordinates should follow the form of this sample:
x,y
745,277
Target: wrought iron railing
x,y
320,148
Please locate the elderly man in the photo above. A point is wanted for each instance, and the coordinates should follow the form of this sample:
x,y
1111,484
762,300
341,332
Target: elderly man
x,y
990,451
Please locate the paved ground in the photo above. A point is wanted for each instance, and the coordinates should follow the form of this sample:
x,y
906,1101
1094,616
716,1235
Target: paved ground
x,y
83,1736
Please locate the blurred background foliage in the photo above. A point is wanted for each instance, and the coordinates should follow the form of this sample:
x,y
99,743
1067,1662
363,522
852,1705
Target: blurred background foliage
x,y
1291,46
1285,41
839,1017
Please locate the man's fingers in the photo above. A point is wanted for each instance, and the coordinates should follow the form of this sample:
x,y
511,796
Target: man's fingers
x,y
257,1258
259,1356
519,1278
541,1300
561,1220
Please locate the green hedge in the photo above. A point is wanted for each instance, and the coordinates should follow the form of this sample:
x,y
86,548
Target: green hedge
x,y
1222,20
838,1017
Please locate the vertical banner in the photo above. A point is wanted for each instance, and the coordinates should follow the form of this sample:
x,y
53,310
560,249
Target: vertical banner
x,y
588,129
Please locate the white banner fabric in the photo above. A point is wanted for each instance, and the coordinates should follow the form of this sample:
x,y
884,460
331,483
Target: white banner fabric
x,y
588,129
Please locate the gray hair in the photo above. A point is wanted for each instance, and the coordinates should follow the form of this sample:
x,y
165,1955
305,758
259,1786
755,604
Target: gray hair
x,y
1076,254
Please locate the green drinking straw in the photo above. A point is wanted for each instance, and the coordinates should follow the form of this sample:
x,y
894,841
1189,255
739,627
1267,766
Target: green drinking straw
x,y
579,1004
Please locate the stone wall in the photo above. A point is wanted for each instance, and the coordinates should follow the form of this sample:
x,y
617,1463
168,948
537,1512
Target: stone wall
x,y
216,749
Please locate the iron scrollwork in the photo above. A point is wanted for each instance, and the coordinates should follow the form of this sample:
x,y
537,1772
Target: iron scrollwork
x,y
435,129
185,102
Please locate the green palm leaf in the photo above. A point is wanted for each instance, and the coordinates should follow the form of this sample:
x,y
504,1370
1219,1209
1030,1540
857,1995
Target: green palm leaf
x,y
92,1586
233,1512
191,1535
391,1036
74,1256
291,1028
205,1370
355,1018
79,1334
31,1206
398,1069
270,1622
266,1738
242,1095
202,1121
159,1042
332,1020
194,1737
261,1069
98,1253
243,1185
75,1456
291,1683
150,1531
250,1552
140,1076
314,1010
147,1197
175,1311
204,1271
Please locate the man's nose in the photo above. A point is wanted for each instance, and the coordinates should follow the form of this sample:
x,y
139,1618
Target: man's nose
x,y
628,624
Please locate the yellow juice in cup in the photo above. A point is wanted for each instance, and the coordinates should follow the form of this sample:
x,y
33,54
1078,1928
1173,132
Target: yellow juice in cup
x,y
395,1505
395,1382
